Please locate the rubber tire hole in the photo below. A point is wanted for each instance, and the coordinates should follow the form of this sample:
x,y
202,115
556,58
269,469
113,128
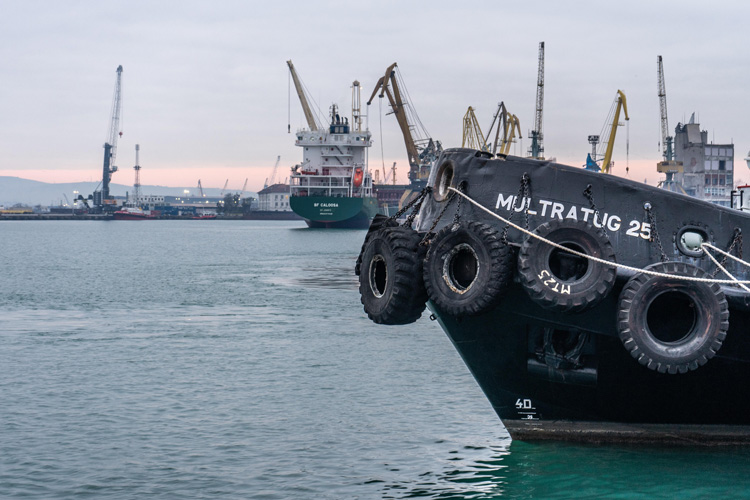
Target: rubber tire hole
x,y
567,267
462,268
671,317
378,276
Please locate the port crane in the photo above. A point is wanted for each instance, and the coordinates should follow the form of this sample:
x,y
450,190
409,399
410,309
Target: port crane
x,y
537,148
270,181
473,137
223,190
421,149
667,166
244,188
620,104
200,189
312,120
508,123
110,147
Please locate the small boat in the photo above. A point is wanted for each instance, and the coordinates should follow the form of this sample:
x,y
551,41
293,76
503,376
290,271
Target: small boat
x,y
204,216
588,307
133,213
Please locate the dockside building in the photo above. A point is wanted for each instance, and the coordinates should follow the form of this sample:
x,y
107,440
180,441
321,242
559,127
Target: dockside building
x,y
708,168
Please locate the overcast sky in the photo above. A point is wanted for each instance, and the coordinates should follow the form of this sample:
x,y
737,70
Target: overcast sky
x,y
205,84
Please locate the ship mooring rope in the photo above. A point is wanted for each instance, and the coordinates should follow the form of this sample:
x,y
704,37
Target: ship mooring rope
x,y
733,281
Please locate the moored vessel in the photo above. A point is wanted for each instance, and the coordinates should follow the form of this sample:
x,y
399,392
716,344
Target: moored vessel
x,y
332,187
133,213
588,307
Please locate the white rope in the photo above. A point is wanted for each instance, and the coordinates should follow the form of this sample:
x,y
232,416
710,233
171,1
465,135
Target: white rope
x,y
733,281
718,264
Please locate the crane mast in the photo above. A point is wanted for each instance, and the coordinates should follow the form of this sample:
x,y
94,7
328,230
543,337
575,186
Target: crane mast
x,y
312,122
668,165
537,148
110,147
666,139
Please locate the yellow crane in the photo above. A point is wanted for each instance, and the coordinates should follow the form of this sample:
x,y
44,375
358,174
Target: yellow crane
x,y
508,123
473,137
620,104
312,122
421,149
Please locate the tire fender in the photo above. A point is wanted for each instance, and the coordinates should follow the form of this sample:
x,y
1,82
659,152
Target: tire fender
x,y
390,276
467,268
562,281
671,325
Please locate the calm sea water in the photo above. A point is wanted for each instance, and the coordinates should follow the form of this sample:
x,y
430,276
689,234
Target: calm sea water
x,y
217,359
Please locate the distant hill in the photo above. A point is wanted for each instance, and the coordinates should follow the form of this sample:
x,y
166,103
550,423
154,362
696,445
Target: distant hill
x,y
16,190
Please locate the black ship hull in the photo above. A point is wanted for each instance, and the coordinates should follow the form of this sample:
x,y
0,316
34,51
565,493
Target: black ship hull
x,y
556,367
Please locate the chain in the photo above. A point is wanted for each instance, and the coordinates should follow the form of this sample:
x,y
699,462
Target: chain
x,y
458,206
736,240
426,241
417,205
420,197
654,232
523,192
589,194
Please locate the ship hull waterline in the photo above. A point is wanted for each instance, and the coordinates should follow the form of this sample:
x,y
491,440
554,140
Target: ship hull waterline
x,y
335,212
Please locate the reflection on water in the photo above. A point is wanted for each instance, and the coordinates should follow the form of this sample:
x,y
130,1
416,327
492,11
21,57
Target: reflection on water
x,y
565,471
338,278
471,472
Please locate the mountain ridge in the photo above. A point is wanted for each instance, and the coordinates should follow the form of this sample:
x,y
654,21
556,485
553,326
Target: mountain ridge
x,y
15,190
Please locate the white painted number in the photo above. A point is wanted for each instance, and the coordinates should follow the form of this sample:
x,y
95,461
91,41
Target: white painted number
x,y
524,404
637,228
551,283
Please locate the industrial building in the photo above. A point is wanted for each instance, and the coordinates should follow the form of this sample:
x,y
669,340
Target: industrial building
x,y
274,198
708,168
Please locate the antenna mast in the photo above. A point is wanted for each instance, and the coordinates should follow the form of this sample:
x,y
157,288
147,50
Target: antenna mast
x,y
356,107
137,184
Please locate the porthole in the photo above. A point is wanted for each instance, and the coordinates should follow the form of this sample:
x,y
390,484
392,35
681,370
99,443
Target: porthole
x,y
443,181
689,241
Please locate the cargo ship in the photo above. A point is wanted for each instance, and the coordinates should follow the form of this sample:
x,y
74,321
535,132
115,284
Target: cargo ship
x,y
332,187
588,307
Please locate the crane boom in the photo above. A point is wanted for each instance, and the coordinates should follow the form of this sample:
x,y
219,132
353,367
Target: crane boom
x,y
621,104
275,169
312,122
114,130
394,98
420,151
512,123
536,135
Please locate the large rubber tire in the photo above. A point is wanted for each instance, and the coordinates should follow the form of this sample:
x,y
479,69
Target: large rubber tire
x,y
559,280
467,268
390,279
377,222
671,325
